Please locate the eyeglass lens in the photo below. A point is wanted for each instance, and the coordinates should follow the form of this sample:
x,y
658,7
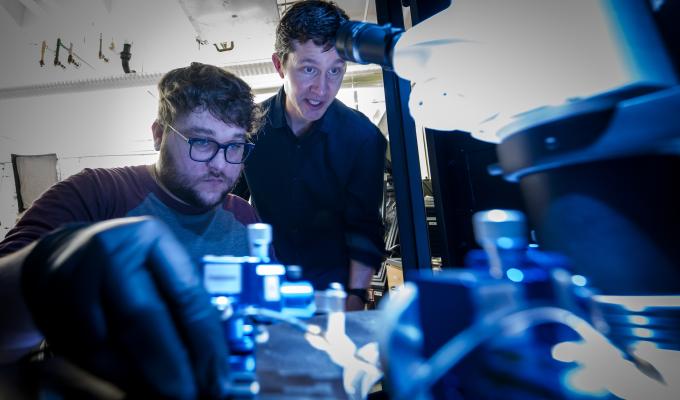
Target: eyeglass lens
x,y
204,150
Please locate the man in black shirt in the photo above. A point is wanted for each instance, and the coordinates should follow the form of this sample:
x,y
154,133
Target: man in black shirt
x,y
316,174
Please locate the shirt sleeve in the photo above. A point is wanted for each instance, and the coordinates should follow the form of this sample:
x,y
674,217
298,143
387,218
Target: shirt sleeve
x,y
68,201
364,233
242,210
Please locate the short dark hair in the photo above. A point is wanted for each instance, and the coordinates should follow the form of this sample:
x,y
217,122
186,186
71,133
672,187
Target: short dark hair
x,y
315,20
207,87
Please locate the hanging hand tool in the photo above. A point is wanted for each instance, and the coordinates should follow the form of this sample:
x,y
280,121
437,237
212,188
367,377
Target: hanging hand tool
x,y
42,53
71,59
101,54
56,55
125,57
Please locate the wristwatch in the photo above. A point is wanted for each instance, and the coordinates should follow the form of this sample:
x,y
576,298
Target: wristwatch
x,y
360,293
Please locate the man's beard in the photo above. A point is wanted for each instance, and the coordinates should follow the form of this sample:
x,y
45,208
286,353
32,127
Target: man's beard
x,y
180,185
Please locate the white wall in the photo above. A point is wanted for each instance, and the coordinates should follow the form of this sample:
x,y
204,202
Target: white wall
x,y
103,122
8,198
88,129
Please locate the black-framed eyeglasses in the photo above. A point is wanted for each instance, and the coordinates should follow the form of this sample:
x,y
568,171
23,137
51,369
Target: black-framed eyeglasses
x,y
204,150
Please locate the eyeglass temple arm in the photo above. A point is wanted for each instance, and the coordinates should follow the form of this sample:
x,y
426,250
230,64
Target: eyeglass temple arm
x,y
177,132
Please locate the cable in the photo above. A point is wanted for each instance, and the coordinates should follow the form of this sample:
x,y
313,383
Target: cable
x,y
462,344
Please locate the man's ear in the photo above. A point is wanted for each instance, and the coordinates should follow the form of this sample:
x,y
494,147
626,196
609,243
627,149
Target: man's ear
x,y
157,130
278,64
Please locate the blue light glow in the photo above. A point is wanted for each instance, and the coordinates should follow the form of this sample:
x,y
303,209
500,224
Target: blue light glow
x,y
270,269
639,320
515,275
579,280
250,366
220,301
643,333
497,216
296,289
505,242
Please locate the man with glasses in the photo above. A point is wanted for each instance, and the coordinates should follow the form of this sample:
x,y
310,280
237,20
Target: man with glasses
x,y
116,292
317,173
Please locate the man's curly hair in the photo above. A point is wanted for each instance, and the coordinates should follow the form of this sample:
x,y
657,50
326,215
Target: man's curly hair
x,y
201,87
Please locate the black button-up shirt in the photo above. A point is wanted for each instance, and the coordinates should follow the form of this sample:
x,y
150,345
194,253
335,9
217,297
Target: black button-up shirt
x,y
321,192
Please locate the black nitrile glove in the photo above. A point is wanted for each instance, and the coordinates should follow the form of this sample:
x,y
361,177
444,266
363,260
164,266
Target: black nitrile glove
x,y
122,299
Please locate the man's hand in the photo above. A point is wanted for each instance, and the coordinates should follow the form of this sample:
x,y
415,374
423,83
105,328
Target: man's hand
x,y
123,300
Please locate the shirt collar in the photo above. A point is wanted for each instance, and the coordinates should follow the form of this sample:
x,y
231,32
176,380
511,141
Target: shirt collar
x,y
277,114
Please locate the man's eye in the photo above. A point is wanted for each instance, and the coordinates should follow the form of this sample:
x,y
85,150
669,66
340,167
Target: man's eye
x,y
308,70
235,147
334,71
201,143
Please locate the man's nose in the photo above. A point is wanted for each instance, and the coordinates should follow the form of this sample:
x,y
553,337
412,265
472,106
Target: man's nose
x,y
219,161
320,85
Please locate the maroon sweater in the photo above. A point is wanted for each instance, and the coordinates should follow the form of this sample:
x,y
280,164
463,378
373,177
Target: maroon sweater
x,y
100,194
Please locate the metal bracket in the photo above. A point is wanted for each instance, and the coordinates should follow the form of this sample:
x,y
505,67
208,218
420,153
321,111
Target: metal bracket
x,y
224,47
